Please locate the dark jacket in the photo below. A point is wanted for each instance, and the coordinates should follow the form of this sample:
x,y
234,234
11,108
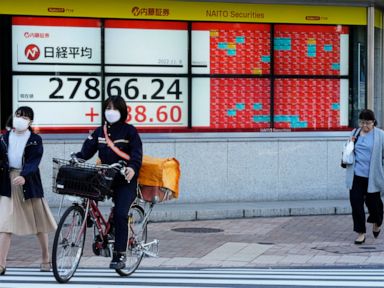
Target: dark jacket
x,y
33,152
124,136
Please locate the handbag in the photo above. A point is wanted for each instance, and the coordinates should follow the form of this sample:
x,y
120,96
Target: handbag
x,y
348,153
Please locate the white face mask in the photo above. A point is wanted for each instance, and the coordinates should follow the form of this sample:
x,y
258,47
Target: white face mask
x,y
112,116
20,124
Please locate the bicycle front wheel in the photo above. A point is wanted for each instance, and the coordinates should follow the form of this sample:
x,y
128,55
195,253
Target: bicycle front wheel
x,y
137,235
68,244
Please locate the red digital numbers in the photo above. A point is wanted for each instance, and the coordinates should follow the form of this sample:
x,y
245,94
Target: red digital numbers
x,y
162,114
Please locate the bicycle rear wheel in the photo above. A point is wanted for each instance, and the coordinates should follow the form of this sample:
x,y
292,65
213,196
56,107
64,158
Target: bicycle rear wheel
x,y
68,244
137,235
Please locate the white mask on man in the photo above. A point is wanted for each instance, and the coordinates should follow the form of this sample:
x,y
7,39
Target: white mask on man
x,y
20,124
112,116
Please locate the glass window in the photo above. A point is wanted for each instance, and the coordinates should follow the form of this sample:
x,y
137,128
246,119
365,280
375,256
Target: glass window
x,y
378,89
189,76
359,76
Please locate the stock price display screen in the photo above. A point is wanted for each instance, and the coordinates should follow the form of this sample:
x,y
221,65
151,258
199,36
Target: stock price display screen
x,y
152,101
57,71
320,102
149,47
239,50
45,50
62,68
231,49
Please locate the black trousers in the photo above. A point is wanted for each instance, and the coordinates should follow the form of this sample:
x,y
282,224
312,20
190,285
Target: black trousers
x,y
124,195
358,195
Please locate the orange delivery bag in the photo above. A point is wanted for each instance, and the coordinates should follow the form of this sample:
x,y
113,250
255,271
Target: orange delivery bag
x,y
159,179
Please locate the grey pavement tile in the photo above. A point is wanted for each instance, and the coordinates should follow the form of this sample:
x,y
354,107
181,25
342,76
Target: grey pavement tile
x,y
177,262
355,260
248,253
375,259
207,262
295,259
324,259
225,251
234,263
154,262
324,240
267,259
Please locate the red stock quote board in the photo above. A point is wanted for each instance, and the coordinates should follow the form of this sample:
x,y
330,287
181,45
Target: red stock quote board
x,y
240,103
238,48
307,103
310,50
241,50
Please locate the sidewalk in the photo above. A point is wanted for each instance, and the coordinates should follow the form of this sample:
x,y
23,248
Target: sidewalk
x,y
290,234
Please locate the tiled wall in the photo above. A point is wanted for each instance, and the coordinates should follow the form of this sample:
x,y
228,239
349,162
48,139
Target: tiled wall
x,y
238,169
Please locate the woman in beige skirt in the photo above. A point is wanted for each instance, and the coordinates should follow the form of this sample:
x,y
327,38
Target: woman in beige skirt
x,y
23,209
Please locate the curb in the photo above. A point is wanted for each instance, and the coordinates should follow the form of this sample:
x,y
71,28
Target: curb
x,y
211,211
172,211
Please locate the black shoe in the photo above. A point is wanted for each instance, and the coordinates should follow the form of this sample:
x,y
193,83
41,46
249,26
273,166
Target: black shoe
x,y
89,222
2,270
359,242
376,233
118,260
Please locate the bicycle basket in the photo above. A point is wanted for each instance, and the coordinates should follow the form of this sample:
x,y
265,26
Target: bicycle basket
x,y
82,179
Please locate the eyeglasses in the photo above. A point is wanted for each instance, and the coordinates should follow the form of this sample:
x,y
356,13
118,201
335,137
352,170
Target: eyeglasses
x,y
365,122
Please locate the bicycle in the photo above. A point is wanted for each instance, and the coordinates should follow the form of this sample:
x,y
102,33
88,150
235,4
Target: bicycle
x,y
88,184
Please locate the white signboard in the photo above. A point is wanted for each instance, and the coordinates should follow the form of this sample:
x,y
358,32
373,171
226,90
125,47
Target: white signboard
x,y
60,101
200,52
56,44
152,101
201,108
76,100
51,58
146,47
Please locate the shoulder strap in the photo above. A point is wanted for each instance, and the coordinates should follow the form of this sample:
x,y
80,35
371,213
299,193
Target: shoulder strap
x,y
115,149
357,134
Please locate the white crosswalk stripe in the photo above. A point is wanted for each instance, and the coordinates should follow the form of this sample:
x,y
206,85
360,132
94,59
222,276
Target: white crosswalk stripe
x,y
218,277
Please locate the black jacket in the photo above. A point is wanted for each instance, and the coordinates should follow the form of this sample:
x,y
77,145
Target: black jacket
x,y
33,152
124,136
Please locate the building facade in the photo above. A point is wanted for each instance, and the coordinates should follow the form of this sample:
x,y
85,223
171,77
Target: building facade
x,y
255,100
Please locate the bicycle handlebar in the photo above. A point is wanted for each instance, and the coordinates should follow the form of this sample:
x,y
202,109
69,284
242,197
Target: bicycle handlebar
x,y
74,158
121,165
